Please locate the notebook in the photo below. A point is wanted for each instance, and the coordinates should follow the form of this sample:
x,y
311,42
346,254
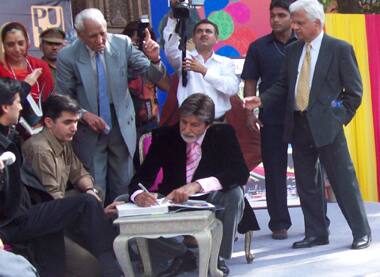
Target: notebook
x,y
191,205
131,209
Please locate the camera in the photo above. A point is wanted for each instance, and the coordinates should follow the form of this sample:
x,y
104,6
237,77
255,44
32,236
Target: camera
x,y
181,10
143,24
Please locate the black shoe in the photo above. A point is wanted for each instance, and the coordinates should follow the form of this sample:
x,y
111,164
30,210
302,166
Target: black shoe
x,y
185,263
310,242
280,234
223,267
362,242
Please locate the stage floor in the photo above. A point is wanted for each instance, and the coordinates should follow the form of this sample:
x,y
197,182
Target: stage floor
x,y
277,258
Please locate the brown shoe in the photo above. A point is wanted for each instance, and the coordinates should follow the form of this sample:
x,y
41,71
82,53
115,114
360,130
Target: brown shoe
x,y
280,234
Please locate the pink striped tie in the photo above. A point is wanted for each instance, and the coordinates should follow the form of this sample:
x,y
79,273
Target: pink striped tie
x,y
193,157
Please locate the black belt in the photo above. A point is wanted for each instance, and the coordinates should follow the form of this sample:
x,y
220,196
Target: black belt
x,y
300,113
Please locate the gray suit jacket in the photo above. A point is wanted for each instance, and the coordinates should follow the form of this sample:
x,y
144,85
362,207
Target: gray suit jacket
x,y
76,77
336,79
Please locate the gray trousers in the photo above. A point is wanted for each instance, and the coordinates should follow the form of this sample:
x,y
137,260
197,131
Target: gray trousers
x,y
164,249
233,203
112,164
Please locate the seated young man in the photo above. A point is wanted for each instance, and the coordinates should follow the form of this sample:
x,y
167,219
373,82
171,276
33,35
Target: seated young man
x,y
196,156
50,152
53,161
43,224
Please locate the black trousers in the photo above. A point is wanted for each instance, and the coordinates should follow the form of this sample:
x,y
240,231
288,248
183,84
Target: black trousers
x,y
43,225
274,152
341,173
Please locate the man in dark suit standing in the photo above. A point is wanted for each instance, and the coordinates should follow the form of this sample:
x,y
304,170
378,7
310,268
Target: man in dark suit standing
x,y
321,80
196,156
263,62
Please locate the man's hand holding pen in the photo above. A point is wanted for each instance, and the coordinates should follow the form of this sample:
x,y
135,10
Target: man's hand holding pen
x,y
145,198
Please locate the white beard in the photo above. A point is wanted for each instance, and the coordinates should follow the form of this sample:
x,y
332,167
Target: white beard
x,y
189,139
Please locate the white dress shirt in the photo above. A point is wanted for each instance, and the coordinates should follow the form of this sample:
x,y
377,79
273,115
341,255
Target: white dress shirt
x,y
314,52
220,81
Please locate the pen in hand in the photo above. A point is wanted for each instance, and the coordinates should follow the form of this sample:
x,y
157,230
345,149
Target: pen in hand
x,y
141,186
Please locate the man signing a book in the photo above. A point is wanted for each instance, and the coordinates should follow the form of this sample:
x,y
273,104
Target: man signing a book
x,y
196,156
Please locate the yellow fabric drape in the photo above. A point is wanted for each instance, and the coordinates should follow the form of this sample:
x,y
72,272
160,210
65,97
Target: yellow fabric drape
x,y
359,133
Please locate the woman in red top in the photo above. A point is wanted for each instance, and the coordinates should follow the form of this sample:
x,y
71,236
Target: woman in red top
x,y
16,64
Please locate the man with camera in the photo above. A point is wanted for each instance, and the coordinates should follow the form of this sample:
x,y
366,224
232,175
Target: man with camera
x,y
199,70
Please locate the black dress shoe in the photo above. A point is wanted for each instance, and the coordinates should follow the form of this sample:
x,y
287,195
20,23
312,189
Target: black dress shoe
x,y
362,242
280,234
223,267
185,263
310,242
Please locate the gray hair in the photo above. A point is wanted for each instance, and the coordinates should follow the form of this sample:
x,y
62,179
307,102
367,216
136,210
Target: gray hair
x,y
199,105
313,9
92,14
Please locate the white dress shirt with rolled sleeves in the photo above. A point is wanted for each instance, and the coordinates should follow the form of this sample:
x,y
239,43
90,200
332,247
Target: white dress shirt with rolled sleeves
x,y
220,82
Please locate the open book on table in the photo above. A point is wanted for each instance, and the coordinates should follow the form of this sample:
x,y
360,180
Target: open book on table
x,y
131,209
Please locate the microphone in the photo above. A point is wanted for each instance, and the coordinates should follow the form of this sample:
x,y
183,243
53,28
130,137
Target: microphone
x,y
8,158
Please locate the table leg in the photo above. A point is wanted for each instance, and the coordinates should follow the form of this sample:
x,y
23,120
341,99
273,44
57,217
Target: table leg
x,y
142,245
120,246
204,245
216,233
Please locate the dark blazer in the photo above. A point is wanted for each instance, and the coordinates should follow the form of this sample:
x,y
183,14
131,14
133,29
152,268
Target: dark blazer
x,y
336,80
19,186
221,158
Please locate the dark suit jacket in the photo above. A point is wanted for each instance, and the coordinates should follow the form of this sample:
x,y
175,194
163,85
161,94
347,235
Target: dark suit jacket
x,y
336,78
221,158
19,187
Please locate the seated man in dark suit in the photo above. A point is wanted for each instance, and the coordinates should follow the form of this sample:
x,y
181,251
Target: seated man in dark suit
x,y
196,156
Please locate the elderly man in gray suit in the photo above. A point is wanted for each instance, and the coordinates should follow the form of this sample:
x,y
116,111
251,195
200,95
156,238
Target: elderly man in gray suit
x,y
95,70
321,80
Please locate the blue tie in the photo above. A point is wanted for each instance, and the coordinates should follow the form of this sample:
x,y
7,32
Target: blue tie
x,y
103,101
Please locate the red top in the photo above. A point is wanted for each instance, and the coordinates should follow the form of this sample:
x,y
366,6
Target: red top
x,y
45,82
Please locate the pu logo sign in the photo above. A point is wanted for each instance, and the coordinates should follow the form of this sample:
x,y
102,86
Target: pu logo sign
x,y
44,17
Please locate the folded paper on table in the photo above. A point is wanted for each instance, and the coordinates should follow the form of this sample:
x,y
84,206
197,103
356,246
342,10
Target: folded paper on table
x,y
191,205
